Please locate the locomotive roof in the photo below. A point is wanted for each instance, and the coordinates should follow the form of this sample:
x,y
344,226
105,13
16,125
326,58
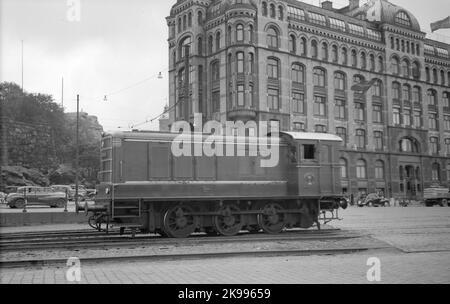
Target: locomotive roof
x,y
145,135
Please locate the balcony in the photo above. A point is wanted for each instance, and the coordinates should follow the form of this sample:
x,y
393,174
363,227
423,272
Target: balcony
x,y
242,114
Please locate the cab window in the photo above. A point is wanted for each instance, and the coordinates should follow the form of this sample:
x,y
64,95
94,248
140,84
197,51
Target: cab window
x,y
309,152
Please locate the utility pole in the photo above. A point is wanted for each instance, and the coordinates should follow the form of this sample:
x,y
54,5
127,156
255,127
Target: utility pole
x,y
3,140
77,153
22,67
62,93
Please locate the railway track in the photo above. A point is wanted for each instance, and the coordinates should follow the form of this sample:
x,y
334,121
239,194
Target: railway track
x,y
92,239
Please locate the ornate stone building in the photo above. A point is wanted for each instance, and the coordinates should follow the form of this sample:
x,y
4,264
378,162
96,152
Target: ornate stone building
x,y
294,63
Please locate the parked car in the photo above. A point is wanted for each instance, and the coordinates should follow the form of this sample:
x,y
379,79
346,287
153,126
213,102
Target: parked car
x,y
437,196
3,197
70,189
36,196
372,200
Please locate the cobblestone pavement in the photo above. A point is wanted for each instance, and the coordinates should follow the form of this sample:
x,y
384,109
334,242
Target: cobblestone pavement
x,y
421,233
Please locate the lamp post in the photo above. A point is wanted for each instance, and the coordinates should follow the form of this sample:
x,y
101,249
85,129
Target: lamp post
x,y
3,140
77,153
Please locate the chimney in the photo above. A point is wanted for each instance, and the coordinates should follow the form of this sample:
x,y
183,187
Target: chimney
x,y
328,5
354,4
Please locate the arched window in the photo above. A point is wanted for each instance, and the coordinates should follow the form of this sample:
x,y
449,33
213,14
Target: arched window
x,y
185,43
179,25
436,172
200,18
250,33
403,19
239,32
380,64
379,169
361,169
405,68
416,70
200,46
396,91
372,62
272,38
427,74
272,11
435,76
292,44
319,77
240,62
354,58
251,64
340,81
218,41
334,53
395,66
303,46
324,51
344,56
264,9
417,94
344,168
215,71
298,73
314,49
409,145
442,77
229,34
210,44
273,68
184,22
363,61
190,19
280,13
432,97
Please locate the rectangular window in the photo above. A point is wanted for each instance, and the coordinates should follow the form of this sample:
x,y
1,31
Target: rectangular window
x,y
359,111
216,101
299,126
447,148
309,152
433,122
342,133
273,99
417,119
337,24
434,145
379,142
361,139
397,119
407,118
298,102
340,109
377,114
240,96
356,29
320,107
447,123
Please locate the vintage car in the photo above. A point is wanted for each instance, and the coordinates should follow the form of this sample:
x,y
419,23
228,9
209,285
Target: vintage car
x,y
372,200
36,196
70,190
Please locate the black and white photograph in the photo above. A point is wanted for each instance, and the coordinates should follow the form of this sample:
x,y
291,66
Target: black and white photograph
x,y
224,147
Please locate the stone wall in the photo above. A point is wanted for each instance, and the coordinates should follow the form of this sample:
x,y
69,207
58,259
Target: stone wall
x,y
30,145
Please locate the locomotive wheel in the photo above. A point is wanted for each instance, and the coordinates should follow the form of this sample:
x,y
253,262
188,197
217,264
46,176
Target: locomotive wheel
x,y
272,219
177,224
228,224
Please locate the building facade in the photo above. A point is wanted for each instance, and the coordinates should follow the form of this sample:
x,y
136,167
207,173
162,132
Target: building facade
x,y
295,64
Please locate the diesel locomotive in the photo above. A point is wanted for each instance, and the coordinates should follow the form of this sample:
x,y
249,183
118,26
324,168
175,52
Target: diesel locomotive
x,y
145,187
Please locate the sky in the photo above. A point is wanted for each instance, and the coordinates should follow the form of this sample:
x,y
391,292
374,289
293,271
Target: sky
x,y
115,48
